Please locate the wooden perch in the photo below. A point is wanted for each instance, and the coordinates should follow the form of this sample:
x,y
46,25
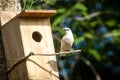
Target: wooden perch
x,y
33,54
66,52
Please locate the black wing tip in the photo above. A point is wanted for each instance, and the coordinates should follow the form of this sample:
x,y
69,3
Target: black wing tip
x,y
62,57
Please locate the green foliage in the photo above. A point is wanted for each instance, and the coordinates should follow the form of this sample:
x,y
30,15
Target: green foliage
x,y
95,54
81,7
111,23
97,35
67,12
88,35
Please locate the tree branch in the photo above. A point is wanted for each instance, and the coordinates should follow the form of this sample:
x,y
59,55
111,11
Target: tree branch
x,y
95,14
65,52
88,63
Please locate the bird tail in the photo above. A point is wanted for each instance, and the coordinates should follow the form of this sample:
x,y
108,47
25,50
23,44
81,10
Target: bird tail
x,y
62,55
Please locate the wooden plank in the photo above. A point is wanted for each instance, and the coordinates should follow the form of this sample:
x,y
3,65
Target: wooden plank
x,y
14,49
19,42
37,13
6,16
39,67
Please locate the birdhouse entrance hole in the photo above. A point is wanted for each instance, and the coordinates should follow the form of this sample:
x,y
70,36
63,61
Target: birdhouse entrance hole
x,y
33,29
36,36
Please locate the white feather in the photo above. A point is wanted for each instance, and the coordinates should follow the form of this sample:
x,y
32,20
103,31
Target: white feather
x,y
67,41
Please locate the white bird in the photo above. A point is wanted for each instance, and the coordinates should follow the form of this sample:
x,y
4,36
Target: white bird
x,y
66,42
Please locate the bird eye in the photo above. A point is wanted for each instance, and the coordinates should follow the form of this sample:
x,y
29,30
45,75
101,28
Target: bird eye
x,y
67,29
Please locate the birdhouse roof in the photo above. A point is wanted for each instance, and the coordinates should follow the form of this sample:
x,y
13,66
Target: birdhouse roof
x,y
37,13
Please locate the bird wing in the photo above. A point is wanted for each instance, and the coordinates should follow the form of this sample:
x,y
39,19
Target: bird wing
x,y
66,43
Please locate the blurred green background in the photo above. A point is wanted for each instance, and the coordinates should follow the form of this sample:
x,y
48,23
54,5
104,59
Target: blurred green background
x,y
96,28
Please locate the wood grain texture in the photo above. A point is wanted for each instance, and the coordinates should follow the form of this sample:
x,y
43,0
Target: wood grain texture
x,y
19,42
14,49
38,65
6,16
37,13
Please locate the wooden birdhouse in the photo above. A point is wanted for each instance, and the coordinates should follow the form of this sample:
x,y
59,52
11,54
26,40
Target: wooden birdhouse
x,y
30,32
